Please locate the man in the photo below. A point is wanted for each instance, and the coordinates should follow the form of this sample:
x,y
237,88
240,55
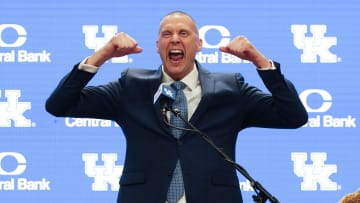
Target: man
x,y
219,105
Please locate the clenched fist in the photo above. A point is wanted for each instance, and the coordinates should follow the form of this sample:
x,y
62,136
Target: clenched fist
x,y
120,45
241,47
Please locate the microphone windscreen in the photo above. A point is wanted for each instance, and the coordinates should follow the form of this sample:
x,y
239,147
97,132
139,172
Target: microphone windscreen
x,y
164,92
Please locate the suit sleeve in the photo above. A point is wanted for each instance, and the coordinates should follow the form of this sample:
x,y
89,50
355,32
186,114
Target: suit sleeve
x,y
280,109
73,98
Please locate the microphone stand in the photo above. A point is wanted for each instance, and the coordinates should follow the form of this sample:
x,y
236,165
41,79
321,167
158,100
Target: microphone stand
x,y
261,193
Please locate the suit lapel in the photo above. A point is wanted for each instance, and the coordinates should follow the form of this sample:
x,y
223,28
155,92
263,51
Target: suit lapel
x,y
207,89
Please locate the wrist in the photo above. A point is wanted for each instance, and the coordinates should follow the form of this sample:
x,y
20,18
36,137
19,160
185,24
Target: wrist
x,y
88,67
97,59
264,64
270,67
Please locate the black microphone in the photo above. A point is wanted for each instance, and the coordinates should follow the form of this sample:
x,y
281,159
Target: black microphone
x,y
165,95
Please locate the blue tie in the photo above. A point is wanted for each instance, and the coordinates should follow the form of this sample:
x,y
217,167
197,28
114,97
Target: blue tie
x,y
176,188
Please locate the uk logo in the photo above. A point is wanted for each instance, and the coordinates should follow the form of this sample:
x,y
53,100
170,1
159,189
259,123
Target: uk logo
x,y
169,92
317,173
316,46
12,111
95,43
107,174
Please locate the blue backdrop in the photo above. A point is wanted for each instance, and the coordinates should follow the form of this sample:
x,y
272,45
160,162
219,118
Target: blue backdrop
x,y
45,159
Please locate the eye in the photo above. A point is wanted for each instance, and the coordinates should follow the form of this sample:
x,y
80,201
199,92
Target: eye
x,y
184,33
166,34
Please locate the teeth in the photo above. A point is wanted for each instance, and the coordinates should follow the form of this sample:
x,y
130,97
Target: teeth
x,y
176,51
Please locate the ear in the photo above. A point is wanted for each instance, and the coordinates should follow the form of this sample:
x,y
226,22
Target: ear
x,y
199,45
157,46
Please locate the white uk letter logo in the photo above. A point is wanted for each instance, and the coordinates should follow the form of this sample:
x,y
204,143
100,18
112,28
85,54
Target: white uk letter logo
x,y
95,43
13,110
168,92
317,173
109,173
317,45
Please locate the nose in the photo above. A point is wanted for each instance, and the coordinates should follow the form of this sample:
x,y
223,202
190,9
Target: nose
x,y
175,38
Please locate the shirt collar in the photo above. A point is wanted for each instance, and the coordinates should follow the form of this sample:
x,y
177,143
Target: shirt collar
x,y
190,79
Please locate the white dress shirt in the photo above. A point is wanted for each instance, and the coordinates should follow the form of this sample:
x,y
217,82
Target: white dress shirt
x,y
192,90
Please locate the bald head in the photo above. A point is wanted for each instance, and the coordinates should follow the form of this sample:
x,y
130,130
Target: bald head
x,y
180,13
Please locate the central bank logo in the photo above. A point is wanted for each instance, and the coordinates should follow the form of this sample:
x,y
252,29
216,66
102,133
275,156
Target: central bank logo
x,y
12,110
92,41
106,174
319,101
12,166
317,45
215,36
222,39
12,38
317,173
20,166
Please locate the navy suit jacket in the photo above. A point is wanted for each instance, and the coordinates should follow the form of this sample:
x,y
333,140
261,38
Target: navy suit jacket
x,y
228,105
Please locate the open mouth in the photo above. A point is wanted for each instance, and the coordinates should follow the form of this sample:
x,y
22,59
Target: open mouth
x,y
176,55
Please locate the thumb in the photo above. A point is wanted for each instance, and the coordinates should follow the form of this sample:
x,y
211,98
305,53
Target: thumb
x,y
137,50
224,49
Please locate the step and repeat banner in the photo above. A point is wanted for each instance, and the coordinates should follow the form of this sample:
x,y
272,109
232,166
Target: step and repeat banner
x,y
44,159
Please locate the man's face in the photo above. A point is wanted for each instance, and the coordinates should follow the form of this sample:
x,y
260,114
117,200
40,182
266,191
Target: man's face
x,y
177,45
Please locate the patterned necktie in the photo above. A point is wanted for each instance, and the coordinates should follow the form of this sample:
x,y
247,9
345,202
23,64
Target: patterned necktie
x,y
176,188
